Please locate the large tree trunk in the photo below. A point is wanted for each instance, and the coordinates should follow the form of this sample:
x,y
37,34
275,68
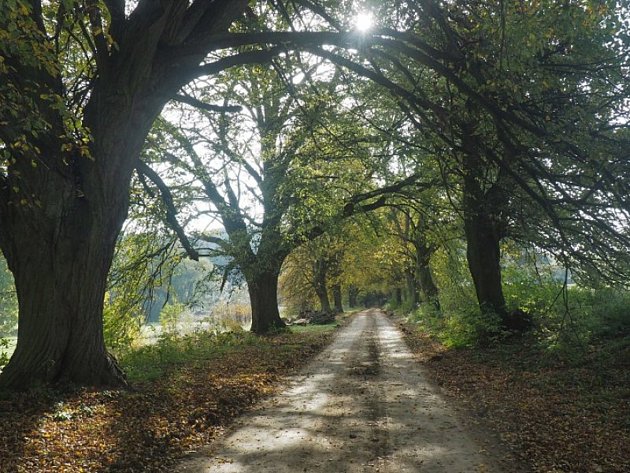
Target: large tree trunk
x,y
336,290
60,332
423,271
483,226
61,210
484,258
263,295
427,285
60,251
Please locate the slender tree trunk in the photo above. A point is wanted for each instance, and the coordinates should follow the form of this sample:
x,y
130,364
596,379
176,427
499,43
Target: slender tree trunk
x,y
320,272
336,290
398,296
352,296
263,295
412,290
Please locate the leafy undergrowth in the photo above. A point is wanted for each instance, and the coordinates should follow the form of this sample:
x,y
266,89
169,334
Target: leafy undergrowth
x,y
184,392
553,412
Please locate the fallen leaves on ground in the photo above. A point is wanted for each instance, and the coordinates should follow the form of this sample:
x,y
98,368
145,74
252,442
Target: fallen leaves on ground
x,y
554,414
146,428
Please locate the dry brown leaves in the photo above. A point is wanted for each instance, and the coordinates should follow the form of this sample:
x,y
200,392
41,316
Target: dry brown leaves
x,y
147,428
552,415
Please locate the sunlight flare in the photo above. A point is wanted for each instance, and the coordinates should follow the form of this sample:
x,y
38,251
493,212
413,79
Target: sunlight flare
x,y
364,21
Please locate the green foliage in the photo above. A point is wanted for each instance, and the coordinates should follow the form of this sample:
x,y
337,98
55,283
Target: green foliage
x,y
4,346
462,327
405,306
143,263
121,323
568,319
154,361
319,328
8,302
170,317
608,312
583,316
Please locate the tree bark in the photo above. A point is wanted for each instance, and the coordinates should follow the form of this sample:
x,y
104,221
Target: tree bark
x,y
320,287
427,286
336,290
60,251
263,295
425,279
411,294
353,293
483,227
484,258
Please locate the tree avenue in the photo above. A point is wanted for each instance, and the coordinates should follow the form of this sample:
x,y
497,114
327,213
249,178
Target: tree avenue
x,y
521,127
81,84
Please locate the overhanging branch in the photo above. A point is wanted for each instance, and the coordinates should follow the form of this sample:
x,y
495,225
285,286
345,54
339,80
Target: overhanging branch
x,y
171,211
193,102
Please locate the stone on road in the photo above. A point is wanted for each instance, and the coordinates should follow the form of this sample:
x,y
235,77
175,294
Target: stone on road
x,y
364,404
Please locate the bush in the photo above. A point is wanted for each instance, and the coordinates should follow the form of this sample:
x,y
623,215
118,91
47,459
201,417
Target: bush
x,y
152,361
170,317
121,323
463,327
4,357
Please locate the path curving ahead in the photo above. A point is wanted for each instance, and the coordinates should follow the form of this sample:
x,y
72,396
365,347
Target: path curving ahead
x,y
364,404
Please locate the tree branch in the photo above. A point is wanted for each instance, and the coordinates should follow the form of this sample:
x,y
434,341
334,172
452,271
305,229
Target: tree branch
x,y
171,211
193,102
249,57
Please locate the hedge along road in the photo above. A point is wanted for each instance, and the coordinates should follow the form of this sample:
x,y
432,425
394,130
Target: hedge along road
x,y
364,404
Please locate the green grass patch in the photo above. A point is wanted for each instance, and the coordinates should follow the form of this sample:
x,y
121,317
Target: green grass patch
x,y
314,328
172,353
154,361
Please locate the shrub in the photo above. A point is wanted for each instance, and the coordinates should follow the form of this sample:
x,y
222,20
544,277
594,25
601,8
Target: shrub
x,y
121,323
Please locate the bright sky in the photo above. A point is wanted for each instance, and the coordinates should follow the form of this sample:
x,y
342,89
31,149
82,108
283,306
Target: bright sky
x,y
364,21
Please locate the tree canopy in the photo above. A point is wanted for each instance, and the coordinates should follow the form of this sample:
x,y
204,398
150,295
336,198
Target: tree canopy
x,y
503,122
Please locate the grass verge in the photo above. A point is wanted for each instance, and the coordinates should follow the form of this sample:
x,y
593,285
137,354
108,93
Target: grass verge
x,y
184,392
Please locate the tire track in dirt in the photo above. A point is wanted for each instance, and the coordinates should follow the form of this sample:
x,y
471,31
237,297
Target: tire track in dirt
x,y
364,404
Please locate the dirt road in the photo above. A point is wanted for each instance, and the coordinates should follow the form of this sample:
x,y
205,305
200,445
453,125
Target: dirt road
x,y
363,405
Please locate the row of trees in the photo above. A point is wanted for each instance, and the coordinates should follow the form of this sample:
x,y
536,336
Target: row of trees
x,y
503,116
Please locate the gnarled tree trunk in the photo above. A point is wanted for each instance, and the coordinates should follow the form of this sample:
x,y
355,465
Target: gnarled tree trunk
x,y
60,280
60,210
